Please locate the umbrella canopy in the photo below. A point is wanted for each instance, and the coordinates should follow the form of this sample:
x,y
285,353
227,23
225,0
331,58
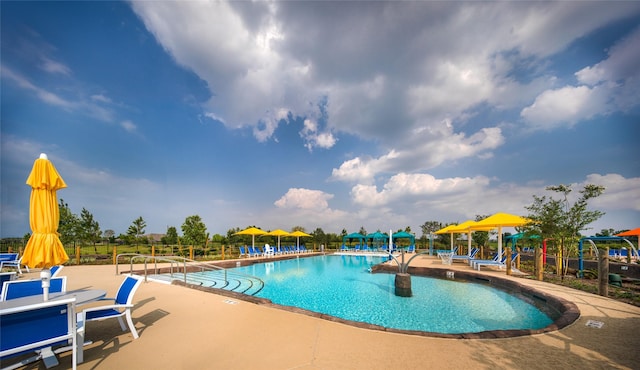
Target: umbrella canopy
x,y
358,236
500,220
404,235
299,234
253,231
377,238
634,232
447,230
44,248
467,227
278,233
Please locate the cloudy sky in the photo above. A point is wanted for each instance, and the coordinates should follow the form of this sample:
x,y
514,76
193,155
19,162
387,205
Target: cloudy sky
x,y
319,114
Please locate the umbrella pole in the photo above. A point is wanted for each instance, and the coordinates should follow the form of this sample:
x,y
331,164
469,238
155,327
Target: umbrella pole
x,y
45,276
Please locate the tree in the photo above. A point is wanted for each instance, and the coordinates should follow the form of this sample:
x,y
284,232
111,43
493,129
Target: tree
x,y
561,220
68,225
136,230
319,236
109,235
194,231
480,238
171,237
89,229
363,231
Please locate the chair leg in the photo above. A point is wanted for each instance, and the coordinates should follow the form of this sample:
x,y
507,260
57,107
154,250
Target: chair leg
x,y
124,328
134,332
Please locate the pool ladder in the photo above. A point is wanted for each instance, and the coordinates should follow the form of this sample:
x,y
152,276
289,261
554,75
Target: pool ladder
x,y
194,272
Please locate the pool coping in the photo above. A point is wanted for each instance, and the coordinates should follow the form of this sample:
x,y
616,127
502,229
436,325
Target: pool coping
x,y
568,311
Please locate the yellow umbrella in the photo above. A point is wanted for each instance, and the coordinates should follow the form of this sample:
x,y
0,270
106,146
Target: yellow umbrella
x,y
44,248
253,231
298,234
278,233
500,220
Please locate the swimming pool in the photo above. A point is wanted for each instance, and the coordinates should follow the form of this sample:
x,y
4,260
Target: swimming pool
x,y
342,286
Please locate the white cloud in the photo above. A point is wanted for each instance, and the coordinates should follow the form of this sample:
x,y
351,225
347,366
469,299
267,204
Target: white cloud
x,y
424,152
566,105
305,199
128,126
52,66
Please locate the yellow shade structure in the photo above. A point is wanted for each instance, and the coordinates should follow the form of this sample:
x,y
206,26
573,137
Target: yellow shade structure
x,y
467,227
500,220
253,231
298,234
447,230
44,248
278,233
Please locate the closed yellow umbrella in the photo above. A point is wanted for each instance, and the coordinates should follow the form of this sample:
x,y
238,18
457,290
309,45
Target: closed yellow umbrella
x,y
44,248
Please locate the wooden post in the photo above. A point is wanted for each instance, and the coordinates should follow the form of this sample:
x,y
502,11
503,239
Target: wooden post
x,y
115,254
507,261
222,246
153,250
77,255
539,265
518,258
191,252
558,264
603,272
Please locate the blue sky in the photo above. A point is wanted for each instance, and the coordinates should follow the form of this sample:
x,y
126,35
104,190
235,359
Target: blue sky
x,y
319,114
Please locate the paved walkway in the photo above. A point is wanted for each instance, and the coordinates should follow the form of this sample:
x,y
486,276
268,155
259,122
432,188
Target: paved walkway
x,y
182,328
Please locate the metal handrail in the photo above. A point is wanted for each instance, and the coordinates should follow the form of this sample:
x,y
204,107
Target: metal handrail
x,y
177,263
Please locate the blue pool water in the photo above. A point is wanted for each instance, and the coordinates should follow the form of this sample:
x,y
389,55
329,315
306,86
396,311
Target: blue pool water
x,y
341,286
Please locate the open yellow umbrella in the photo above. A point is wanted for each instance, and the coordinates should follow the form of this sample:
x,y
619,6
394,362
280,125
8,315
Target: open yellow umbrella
x,y
299,234
44,248
500,220
253,231
278,233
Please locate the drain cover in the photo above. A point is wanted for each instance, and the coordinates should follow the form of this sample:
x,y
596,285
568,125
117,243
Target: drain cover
x,y
595,324
230,301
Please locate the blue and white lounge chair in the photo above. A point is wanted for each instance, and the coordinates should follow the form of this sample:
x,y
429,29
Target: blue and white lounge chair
x,y
500,264
12,260
122,305
36,327
496,258
24,288
466,258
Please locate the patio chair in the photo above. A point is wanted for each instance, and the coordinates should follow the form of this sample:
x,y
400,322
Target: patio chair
x,y
267,251
242,252
15,263
6,276
122,305
24,288
37,327
55,270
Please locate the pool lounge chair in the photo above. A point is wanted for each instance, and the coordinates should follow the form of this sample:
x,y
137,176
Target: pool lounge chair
x,y
267,251
496,258
500,264
466,258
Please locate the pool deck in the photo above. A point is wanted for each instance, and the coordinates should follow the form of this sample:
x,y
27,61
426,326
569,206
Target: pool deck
x,y
183,328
